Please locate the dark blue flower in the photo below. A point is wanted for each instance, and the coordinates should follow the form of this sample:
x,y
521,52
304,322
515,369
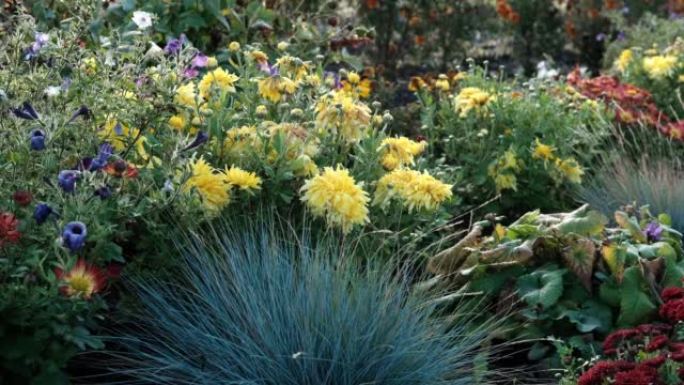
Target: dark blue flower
x,y
37,139
103,192
105,152
42,212
201,138
67,180
82,111
654,232
26,111
74,235
174,46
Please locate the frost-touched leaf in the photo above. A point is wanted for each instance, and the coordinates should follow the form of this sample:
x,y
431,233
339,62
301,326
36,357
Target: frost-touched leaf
x,y
614,256
528,218
635,305
579,257
631,225
591,224
542,287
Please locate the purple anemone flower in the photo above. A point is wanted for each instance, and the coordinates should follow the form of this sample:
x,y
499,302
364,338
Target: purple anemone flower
x,y
37,139
654,232
190,72
74,235
42,212
103,192
67,180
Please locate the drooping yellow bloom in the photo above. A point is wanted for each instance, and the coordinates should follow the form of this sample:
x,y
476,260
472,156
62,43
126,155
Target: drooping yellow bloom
x,y
353,77
623,61
570,169
335,195
178,122
442,83
117,134
415,190
542,151
187,96
398,152
217,79
244,180
504,169
471,98
342,114
272,87
212,186
658,67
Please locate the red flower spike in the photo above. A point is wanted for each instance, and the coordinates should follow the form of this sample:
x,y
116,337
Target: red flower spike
x,y
602,370
641,375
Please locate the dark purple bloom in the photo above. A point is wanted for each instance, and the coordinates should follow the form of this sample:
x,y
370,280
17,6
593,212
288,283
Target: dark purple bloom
x,y
103,192
41,213
82,111
654,232
40,40
174,46
105,152
74,235
37,139
26,111
67,180
201,138
200,60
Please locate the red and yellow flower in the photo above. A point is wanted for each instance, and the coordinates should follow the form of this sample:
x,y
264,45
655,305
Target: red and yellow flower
x,y
84,279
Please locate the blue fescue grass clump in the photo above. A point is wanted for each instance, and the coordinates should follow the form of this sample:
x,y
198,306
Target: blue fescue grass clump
x,y
256,307
657,183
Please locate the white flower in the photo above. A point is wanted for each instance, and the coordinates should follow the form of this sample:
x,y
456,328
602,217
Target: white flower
x,y
142,19
52,91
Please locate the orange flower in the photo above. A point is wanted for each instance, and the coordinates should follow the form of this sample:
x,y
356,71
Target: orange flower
x,y
120,169
83,279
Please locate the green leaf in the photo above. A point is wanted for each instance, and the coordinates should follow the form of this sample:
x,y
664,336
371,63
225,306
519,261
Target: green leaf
x,y
592,316
635,305
579,257
591,224
609,292
542,287
631,225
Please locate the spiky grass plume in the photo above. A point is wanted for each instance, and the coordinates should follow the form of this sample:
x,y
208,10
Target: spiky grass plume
x,y
257,306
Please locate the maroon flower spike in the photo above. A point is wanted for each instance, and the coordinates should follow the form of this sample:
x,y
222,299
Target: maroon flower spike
x,y
8,229
671,293
641,375
597,374
22,198
657,342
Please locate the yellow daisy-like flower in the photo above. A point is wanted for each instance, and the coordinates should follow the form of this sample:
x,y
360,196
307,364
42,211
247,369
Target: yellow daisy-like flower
x,y
234,46
658,67
242,179
542,151
335,195
506,181
416,190
258,56
217,79
471,98
622,62
211,186
353,77
178,122
570,169
398,152
442,83
186,95
272,87
342,114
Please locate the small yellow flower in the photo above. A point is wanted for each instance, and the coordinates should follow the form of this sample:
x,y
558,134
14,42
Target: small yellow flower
x,y
471,98
258,56
542,151
442,83
234,46
261,110
177,122
242,179
89,65
623,60
211,186
506,181
570,169
398,152
212,62
335,195
187,96
353,77
282,46
658,67
217,79
344,115
416,190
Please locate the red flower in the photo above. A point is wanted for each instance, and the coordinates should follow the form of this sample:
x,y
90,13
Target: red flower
x,y
8,229
670,293
616,338
657,342
673,311
641,375
22,197
83,279
655,362
602,370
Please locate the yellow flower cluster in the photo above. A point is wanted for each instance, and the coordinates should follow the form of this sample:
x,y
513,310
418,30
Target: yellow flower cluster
x,y
341,113
398,152
471,98
416,190
504,171
219,80
542,151
623,61
658,67
214,187
335,195
570,169
273,87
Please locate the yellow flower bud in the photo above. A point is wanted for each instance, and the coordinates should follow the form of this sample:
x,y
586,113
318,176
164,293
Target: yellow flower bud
x,y
234,46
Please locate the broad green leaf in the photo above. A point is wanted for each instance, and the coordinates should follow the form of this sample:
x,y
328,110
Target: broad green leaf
x,y
591,224
674,273
614,256
609,292
579,257
592,316
522,231
636,305
542,287
631,225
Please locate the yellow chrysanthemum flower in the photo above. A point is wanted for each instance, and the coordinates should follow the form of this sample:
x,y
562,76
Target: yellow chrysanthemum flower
x,y
335,195
242,179
398,152
503,171
234,46
416,190
471,98
212,186
217,79
623,61
570,169
542,151
658,67
187,96
212,62
442,83
177,122
353,77
272,87
342,114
